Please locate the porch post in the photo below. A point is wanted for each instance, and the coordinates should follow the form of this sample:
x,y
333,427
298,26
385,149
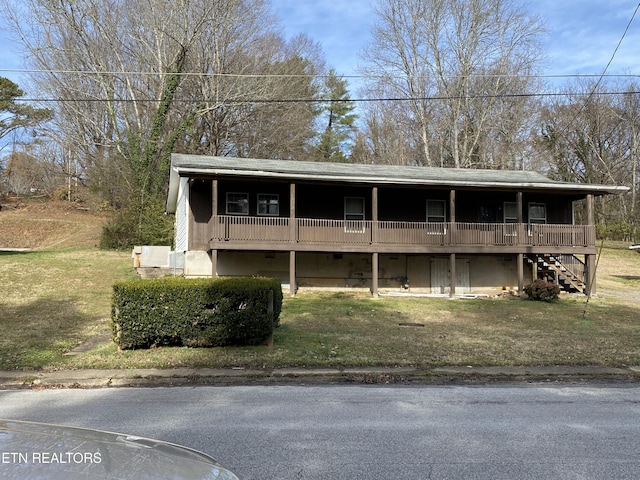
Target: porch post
x,y
590,261
292,212
374,274
519,207
190,219
374,240
374,215
520,274
212,227
452,206
214,263
452,273
214,198
292,238
452,219
292,273
590,215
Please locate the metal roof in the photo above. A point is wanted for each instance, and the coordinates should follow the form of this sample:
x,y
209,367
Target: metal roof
x,y
192,165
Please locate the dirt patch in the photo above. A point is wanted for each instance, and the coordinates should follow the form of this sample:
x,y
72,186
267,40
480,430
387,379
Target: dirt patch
x,y
43,224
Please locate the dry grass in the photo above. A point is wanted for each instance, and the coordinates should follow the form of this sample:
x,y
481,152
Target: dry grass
x,y
40,224
52,300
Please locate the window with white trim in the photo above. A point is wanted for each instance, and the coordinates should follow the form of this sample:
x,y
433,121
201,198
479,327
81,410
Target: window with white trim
x,y
436,215
436,211
268,204
510,212
237,203
354,214
537,213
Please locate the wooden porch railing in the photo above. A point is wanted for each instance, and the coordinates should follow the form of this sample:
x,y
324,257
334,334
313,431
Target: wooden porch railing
x,y
349,232
241,228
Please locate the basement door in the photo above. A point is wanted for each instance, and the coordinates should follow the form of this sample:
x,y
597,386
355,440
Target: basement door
x,y
440,276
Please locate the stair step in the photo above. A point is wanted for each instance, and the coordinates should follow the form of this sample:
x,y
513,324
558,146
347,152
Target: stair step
x,y
550,264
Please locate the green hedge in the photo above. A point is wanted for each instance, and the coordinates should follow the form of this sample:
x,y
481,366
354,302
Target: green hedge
x,y
195,312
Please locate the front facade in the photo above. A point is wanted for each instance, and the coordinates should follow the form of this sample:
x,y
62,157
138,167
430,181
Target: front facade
x,y
384,228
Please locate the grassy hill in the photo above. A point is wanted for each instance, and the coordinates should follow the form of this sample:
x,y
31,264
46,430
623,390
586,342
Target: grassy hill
x,y
43,224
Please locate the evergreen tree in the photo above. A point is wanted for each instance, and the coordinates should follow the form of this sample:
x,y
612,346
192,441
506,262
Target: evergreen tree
x,y
16,115
338,120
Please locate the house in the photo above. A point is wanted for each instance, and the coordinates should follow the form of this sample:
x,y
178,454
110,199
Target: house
x,y
380,227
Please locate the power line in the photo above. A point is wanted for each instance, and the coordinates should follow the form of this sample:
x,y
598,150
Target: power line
x,y
247,101
300,75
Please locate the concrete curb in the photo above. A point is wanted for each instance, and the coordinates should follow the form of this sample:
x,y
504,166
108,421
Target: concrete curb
x,y
365,375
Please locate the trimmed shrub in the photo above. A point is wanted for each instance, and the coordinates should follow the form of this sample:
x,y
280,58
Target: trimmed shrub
x,y
542,290
195,312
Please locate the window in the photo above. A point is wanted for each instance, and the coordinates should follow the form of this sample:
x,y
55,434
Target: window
x,y
510,212
238,203
354,214
537,213
436,213
268,204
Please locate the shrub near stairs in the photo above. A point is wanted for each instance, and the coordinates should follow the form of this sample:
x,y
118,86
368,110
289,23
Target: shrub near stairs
x,y
542,290
195,312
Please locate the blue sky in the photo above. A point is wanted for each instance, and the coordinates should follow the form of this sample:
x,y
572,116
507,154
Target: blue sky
x,y
582,34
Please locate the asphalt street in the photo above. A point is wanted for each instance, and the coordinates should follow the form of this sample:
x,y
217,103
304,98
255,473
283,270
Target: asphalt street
x,y
371,432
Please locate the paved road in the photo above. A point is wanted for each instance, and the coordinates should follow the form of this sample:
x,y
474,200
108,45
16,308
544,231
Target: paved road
x,y
358,433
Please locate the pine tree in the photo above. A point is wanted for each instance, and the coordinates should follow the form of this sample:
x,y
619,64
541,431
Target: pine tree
x,y
17,115
338,120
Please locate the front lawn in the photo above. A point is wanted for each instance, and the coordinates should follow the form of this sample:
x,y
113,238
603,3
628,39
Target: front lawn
x,y
51,301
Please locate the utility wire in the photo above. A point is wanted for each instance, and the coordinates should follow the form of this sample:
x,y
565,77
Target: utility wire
x,y
248,101
309,75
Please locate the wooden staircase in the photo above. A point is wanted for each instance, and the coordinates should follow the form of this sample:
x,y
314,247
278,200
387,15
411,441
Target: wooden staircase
x,y
568,271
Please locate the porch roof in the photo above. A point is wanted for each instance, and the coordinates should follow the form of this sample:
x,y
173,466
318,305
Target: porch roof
x,y
183,165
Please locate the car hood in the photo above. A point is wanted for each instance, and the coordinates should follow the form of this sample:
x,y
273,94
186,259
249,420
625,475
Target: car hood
x,y
31,450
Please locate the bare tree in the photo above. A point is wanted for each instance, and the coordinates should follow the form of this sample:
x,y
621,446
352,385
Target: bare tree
x,y
387,136
456,64
592,136
140,78
133,81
